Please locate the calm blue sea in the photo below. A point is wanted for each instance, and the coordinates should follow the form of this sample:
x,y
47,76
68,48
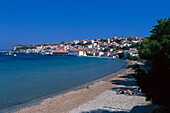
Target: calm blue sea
x,y
27,77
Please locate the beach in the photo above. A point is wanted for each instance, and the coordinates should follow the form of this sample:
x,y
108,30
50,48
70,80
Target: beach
x,y
99,95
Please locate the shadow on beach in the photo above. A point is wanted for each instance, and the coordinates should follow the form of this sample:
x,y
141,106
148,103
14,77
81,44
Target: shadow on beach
x,y
137,109
124,83
128,83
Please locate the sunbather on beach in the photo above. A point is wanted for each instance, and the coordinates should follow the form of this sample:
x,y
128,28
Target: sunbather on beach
x,y
122,92
129,91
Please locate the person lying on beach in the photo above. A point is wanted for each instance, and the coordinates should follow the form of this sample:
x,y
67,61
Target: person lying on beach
x,y
121,92
129,91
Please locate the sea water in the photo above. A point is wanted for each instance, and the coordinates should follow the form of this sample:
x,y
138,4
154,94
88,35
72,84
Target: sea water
x,y
29,76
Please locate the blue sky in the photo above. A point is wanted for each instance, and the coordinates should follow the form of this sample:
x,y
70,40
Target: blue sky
x,y
52,21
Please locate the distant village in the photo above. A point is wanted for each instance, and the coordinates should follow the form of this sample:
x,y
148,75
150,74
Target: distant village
x,y
115,47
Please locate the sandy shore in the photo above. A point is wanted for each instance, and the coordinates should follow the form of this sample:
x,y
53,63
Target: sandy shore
x,y
81,100
110,102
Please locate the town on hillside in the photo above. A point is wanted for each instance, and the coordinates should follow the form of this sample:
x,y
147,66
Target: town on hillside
x,y
115,47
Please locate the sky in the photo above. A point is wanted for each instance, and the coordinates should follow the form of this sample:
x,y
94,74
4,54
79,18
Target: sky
x,y
27,22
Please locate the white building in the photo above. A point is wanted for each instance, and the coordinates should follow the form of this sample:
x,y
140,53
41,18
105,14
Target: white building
x,y
92,41
98,45
39,47
75,41
136,41
90,46
107,54
76,52
94,44
119,51
127,44
113,54
111,49
97,53
133,52
83,41
132,38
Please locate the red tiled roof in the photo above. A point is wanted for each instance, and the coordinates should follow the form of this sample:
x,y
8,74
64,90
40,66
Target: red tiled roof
x,y
107,52
119,50
114,37
60,52
86,48
136,51
114,45
114,52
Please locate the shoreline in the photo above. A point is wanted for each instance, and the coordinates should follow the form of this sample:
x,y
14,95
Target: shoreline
x,y
37,101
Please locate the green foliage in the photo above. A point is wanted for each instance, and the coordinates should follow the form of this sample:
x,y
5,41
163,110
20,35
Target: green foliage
x,y
32,47
130,57
125,48
118,41
161,30
135,46
105,50
63,42
85,44
79,43
88,54
121,55
103,40
156,51
24,48
72,44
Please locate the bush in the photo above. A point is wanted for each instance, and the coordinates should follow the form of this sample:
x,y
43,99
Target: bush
x,y
130,57
121,55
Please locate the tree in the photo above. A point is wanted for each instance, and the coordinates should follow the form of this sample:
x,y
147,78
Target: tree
x,y
103,40
130,57
105,50
121,55
156,51
135,46
63,42
89,54
125,48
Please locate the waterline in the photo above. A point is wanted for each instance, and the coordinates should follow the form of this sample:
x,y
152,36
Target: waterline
x,y
82,70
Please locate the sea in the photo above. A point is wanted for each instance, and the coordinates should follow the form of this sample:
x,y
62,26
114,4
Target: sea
x,y
26,77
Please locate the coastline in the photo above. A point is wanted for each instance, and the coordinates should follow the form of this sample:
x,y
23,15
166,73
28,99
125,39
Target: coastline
x,y
75,88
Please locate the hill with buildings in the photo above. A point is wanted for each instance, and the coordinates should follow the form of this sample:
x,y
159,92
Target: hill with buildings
x,y
115,47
